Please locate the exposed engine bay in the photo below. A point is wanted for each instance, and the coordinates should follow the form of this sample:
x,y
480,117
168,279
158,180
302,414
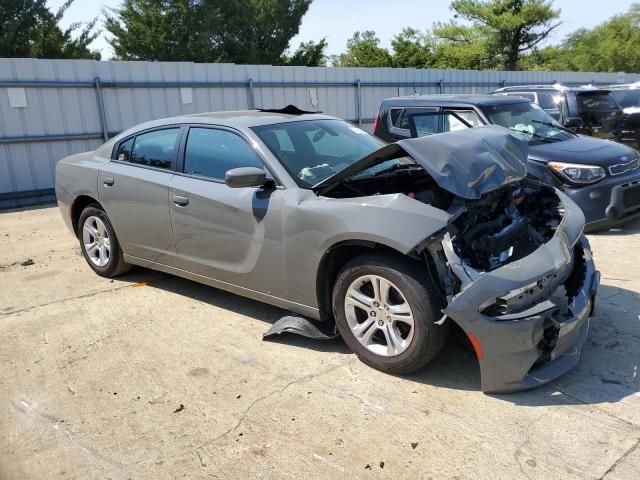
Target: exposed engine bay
x,y
502,226
410,179
505,225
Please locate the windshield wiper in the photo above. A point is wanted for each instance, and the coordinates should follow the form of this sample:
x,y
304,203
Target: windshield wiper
x,y
553,125
536,135
396,166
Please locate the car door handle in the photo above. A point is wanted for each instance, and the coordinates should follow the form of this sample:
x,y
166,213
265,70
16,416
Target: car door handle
x,y
180,201
108,182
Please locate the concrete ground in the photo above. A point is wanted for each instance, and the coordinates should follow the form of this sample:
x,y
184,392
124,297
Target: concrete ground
x,y
151,376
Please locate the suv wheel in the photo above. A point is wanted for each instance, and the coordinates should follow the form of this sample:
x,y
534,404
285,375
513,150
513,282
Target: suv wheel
x,y
99,243
385,309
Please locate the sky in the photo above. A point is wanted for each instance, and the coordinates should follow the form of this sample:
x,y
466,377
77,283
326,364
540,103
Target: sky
x,y
338,19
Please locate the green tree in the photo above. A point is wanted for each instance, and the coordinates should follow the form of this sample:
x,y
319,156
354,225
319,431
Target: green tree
x,y
462,47
29,29
308,54
612,46
363,50
166,30
412,49
500,31
239,31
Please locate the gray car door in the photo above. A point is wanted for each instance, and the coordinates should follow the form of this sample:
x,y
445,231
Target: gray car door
x,y
233,235
134,190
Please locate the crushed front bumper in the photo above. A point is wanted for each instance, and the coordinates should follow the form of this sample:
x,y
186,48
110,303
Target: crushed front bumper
x,y
529,319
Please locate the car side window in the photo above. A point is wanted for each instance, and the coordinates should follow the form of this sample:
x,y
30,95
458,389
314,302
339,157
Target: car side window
x,y
403,121
394,115
402,118
546,102
152,149
212,152
451,123
124,150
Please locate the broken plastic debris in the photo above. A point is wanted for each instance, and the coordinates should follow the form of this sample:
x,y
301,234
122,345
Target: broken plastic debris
x,y
303,326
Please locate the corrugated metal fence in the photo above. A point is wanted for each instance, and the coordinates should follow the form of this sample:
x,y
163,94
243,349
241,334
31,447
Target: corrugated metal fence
x,y
53,108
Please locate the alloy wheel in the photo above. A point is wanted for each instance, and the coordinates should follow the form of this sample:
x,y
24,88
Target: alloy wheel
x,y
379,315
96,242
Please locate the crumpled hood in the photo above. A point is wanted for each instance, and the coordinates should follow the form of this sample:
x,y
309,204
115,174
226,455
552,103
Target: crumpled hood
x,y
467,163
582,149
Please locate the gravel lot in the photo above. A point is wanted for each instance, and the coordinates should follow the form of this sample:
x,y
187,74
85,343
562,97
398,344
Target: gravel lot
x,y
152,376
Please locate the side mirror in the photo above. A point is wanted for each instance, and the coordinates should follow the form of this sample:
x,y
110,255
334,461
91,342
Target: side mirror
x,y
573,122
245,177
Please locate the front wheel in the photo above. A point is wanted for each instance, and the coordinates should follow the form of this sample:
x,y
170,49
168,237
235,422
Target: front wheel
x,y
99,243
385,309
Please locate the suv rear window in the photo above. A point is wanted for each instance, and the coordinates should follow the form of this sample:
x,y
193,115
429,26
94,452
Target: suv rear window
x,y
595,102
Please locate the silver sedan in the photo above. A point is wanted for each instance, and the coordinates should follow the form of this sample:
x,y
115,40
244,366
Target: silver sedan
x,y
390,244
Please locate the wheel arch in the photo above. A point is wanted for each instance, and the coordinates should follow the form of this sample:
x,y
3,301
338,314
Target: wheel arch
x,y
78,205
332,261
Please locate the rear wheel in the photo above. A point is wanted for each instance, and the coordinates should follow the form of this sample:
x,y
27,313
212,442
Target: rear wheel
x,y
385,309
99,243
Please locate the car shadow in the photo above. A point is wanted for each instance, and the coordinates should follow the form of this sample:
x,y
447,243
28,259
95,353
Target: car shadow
x,y
605,374
234,303
631,228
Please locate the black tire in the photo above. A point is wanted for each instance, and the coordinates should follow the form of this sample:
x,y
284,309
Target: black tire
x,y
115,265
421,295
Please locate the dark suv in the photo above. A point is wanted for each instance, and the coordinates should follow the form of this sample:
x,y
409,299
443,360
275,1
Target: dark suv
x,y
602,177
628,97
589,110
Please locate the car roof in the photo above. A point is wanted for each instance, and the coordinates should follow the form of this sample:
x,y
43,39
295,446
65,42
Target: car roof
x,y
555,88
451,100
625,86
234,119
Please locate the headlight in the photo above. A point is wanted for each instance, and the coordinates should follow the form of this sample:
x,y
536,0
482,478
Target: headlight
x,y
577,173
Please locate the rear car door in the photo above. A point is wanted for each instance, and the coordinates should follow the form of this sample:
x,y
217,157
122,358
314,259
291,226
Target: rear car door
x,y
134,189
233,235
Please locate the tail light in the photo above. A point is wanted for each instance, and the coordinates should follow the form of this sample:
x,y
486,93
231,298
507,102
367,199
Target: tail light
x,y
375,122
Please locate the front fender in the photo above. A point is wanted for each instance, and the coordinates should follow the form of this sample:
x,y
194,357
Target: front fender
x,y
312,225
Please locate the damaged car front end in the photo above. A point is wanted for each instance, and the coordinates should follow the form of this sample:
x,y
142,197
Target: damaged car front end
x,y
511,259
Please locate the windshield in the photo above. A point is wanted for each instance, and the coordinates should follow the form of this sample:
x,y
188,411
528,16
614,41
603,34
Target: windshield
x,y
314,150
530,120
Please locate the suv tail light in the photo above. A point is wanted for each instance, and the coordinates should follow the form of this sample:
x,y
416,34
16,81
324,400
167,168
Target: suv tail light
x,y
375,123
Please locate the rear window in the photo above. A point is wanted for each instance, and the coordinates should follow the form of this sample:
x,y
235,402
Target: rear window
x,y
595,102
